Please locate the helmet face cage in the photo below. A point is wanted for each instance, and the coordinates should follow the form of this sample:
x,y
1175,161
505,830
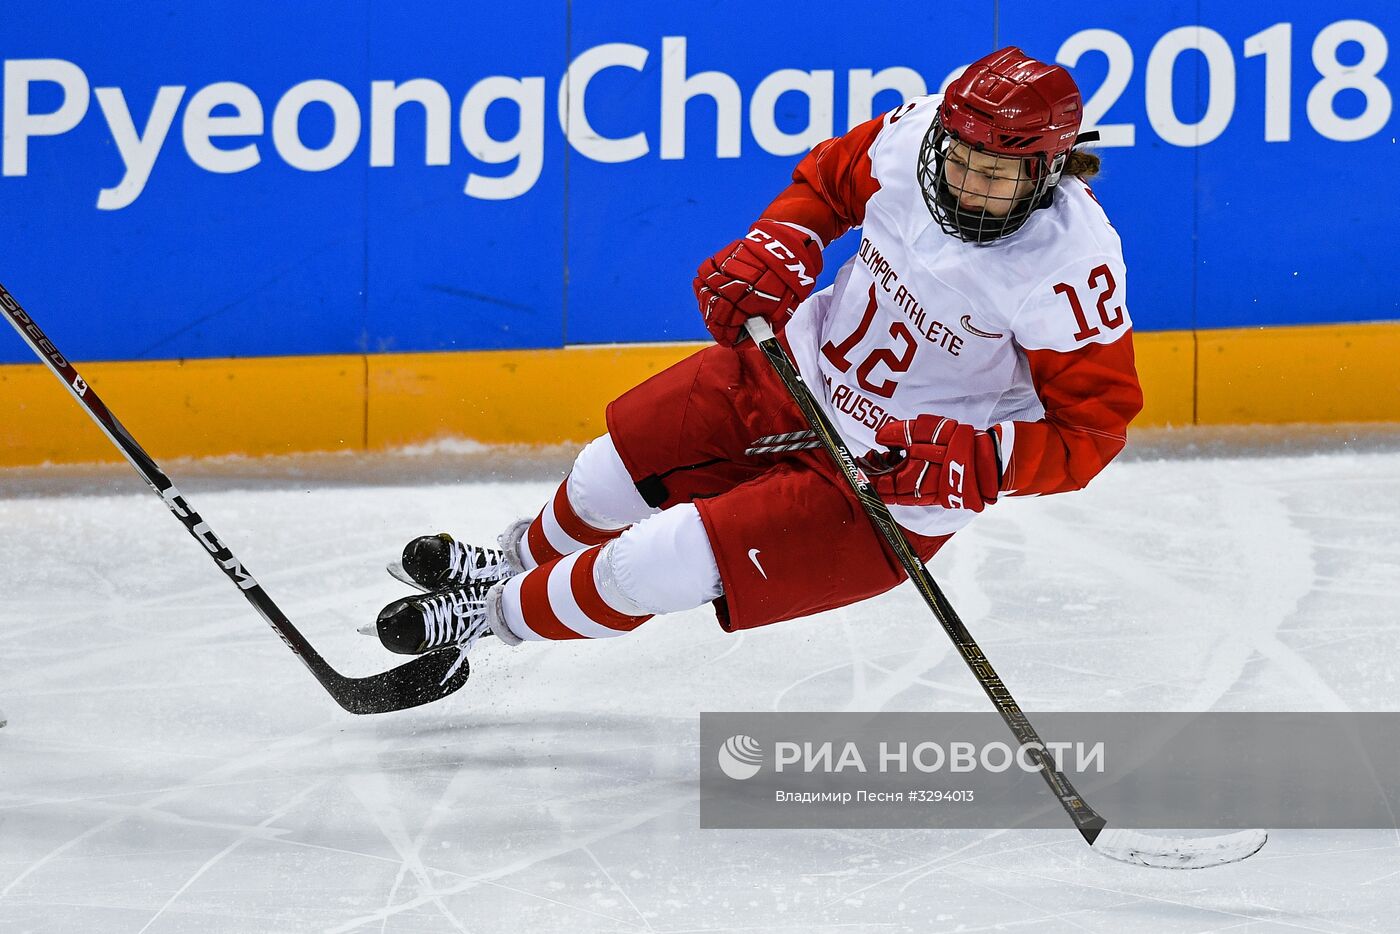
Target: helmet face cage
x,y
980,225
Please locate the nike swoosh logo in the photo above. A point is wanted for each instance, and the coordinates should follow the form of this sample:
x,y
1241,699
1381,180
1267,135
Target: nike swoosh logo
x,y
753,556
967,326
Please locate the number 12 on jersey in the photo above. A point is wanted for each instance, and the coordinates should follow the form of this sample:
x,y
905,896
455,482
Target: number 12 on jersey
x,y
1100,277
897,363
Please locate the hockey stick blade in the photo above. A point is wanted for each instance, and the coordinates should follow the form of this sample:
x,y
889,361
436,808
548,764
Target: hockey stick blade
x,y
1141,849
421,681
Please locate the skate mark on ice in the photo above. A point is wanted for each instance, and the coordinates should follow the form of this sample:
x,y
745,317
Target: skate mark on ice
x,y
29,744
940,687
1281,580
735,642
945,863
961,577
1240,915
618,888
121,812
195,597
262,756
917,621
778,698
672,805
923,864
459,785
1252,547
1030,919
226,625
243,838
377,799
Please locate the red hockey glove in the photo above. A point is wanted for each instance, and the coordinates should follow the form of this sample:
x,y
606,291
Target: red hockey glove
x,y
765,275
935,461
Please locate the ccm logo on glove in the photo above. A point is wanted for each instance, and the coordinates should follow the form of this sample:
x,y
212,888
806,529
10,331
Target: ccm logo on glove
x,y
785,255
935,461
767,274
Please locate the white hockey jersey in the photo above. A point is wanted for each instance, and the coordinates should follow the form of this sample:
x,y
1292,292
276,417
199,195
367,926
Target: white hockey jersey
x,y
1028,336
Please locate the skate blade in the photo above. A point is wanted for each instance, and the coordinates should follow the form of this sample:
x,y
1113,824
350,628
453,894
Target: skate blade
x,y
396,571
369,629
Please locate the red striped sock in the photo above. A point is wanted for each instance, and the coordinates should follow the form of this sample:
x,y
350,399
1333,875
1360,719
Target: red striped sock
x,y
560,600
558,531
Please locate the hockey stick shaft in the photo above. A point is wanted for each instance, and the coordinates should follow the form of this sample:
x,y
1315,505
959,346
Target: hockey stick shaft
x,y
418,682
1084,817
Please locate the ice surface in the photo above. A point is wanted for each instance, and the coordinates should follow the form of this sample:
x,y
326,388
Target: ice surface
x,y
169,766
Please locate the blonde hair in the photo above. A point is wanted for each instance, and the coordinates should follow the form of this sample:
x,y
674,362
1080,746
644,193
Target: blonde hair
x,y
1082,164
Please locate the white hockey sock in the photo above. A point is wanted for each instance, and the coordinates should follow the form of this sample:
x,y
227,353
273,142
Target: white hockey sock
x,y
664,564
593,505
560,600
661,565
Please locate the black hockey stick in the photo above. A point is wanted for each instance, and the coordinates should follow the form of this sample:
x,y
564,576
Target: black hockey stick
x,y
422,680
1128,846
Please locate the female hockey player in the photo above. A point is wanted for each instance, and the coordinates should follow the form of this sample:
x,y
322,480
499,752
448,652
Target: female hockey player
x,y
978,344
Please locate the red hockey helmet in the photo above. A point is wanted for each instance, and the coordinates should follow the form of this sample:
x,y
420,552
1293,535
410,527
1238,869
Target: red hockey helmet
x,y
1005,104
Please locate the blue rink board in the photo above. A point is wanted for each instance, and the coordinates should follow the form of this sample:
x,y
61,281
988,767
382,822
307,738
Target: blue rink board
x,y
596,240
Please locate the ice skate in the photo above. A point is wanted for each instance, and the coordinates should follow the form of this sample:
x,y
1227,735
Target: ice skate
x,y
434,562
456,617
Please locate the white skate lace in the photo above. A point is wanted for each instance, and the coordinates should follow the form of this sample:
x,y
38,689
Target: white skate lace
x,y
450,617
468,563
